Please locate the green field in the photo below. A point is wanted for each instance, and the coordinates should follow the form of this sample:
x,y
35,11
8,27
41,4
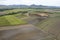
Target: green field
x,y
10,20
22,10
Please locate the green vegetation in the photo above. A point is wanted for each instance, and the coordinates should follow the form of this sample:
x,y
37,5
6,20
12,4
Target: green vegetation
x,y
3,21
13,16
10,20
19,15
50,25
17,11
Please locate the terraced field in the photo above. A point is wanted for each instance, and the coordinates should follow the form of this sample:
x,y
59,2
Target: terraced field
x,y
10,20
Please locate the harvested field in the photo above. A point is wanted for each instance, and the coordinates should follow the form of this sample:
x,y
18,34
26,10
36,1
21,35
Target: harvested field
x,y
51,25
25,32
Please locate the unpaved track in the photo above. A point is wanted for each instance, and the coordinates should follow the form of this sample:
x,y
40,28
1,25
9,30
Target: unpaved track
x,y
24,32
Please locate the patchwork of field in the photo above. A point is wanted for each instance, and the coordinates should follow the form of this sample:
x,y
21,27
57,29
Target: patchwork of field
x,y
51,25
13,17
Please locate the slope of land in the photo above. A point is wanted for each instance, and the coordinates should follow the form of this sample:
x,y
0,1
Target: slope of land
x,y
26,6
10,20
51,25
48,29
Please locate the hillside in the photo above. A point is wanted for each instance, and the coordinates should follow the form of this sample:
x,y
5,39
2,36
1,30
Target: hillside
x,y
26,6
10,20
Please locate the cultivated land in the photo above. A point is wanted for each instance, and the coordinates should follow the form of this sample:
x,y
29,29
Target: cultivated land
x,y
51,25
10,20
32,28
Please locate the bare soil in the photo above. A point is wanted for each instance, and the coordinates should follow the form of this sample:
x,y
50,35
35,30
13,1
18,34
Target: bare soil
x,y
24,32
